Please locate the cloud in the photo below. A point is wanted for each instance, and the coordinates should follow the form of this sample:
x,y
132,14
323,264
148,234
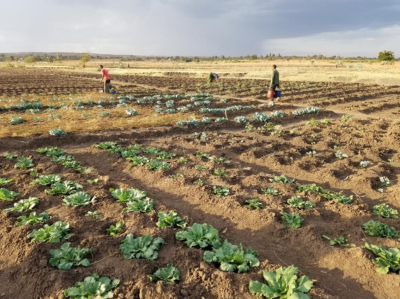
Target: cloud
x,y
194,27
364,42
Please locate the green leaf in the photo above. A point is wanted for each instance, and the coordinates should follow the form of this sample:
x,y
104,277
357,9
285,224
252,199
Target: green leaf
x,y
144,247
201,235
54,233
171,219
24,205
67,257
93,287
167,275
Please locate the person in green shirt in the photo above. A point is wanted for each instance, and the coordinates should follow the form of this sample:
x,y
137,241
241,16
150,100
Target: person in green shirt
x,y
274,80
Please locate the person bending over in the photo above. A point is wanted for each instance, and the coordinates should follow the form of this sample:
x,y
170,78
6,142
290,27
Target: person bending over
x,y
212,77
105,77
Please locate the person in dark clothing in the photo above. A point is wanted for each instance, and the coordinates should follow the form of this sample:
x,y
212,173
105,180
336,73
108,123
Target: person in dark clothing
x,y
212,77
274,80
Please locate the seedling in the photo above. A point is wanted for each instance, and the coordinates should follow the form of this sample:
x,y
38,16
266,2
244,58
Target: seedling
x,y
32,219
380,230
282,283
364,164
67,257
55,233
385,182
115,230
270,191
92,287
340,155
7,195
220,191
291,220
253,204
387,259
24,205
282,179
24,163
94,214
341,241
79,199
219,172
384,211
170,219
299,203
5,181
232,258
167,275
145,205
201,235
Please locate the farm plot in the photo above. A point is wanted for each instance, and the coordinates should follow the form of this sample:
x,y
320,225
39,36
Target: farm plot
x,y
219,194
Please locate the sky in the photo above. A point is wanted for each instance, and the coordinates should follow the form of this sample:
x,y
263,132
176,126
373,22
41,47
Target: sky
x,y
201,27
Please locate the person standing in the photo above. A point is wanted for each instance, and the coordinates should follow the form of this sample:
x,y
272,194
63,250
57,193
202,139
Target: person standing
x,y
274,80
105,77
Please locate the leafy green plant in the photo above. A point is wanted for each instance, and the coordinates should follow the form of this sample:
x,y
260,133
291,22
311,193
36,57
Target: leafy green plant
x,y
79,199
138,161
219,172
384,181
283,283
384,211
151,151
340,155
282,179
54,233
220,191
200,167
176,176
47,180
105,145
7,195
5,181
380,230
170,219
338,197
164,155
387,259
232,258
24,163
145,205
201,235
167,275
32,219
10,156
57,132
291,220
270,191
24,205
127,195
183,160
144,247
93,214
64,188
364,164
93,182
299,203
341,241
16,120
115,230
253,204
67,257
157,165
92,287
312,189
51,151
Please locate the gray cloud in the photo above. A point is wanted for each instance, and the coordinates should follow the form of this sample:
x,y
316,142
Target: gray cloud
x,y
197,27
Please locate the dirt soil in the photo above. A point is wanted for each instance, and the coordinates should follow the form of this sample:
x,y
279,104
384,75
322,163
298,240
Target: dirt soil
x,y
372,134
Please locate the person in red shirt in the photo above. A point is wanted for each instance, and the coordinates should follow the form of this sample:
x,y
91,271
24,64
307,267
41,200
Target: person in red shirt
x,y
105,77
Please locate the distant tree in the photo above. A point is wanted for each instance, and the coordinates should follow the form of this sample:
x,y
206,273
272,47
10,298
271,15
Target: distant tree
x,y
386,56
85,57
253,57
58,57
31,59
10,58
50,59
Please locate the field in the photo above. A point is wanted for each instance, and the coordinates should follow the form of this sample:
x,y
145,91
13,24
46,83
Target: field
x,y
340,134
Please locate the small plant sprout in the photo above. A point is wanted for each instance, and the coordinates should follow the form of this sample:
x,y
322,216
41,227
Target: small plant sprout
x,y
311,153
313,122
326,121
341,241
385,182
167,275
291,220
176,176
220,191
299,203
282,179
219,172
8,195
5,181
170,219
253,204
346,118
93,182
32,219
24,205
270,191
93,214
384,211
249,127
115,230
340,155
183,160
200,182
364,164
